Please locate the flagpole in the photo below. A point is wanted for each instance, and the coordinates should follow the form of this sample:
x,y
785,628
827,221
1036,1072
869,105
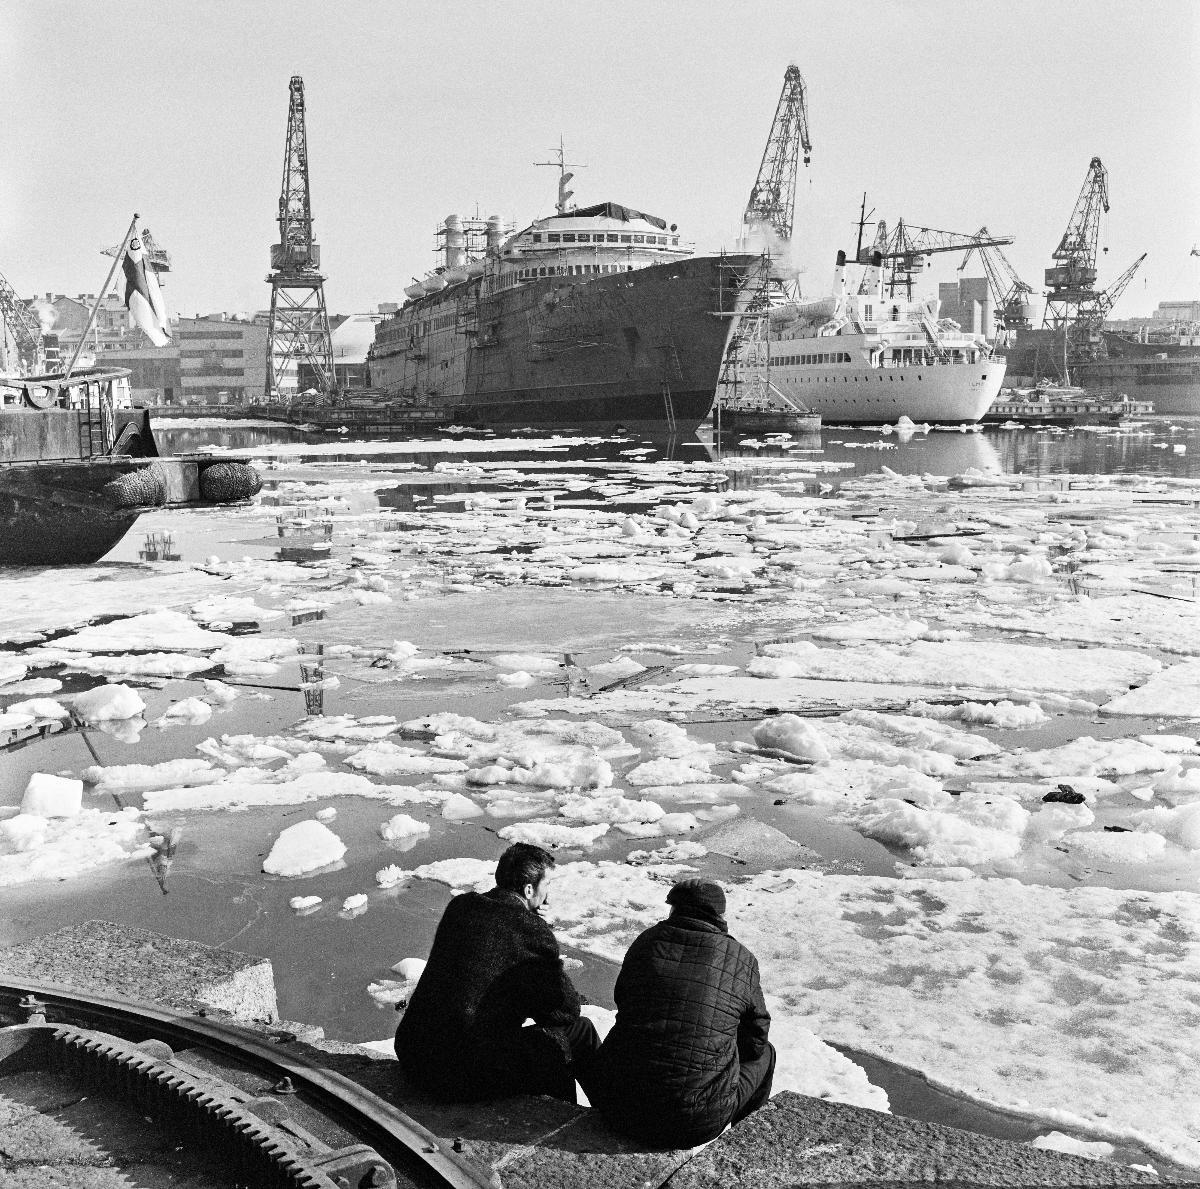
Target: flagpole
x,y
112,272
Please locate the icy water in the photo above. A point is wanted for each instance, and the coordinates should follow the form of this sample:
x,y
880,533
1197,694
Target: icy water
x,y
613,581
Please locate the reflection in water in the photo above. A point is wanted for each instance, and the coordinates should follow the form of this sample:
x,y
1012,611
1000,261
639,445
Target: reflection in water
x,y
1150,449
1162,446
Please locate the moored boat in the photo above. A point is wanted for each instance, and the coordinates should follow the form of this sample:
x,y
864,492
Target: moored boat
x,y
79,465
862,356
1065,406
592,317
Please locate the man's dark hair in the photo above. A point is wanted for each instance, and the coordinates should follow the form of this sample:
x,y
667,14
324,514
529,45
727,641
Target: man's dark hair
x,y
522,863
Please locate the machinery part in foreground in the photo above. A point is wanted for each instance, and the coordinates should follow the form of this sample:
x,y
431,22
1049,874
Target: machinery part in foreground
x,y
128,1059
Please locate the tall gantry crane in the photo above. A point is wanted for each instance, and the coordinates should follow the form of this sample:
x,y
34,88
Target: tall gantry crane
x,y
773,195
20,326
1012,307
1075,309
745,369
298,330
1072,281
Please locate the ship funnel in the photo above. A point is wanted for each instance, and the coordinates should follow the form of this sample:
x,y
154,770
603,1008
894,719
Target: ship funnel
x,y
872,285
495,232
839,275
456,243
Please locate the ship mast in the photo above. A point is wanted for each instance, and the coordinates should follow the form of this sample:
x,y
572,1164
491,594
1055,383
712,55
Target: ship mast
x,y
564,205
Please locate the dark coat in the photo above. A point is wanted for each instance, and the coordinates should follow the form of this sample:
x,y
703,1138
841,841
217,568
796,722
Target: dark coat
x,y
494,964
690,1010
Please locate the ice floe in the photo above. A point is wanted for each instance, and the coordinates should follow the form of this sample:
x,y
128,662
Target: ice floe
x,y
303,848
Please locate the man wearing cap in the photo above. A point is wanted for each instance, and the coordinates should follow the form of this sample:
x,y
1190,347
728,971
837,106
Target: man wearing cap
x,y
494,964
688,1053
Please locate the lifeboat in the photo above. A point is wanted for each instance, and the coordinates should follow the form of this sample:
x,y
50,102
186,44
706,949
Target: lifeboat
x,y
434,283
414,291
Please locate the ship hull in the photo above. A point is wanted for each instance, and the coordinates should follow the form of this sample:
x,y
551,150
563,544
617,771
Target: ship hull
x,y
53,516
942,394
76,472
639,349
1166,374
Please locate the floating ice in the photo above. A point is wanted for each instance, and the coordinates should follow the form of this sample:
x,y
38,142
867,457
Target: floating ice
x,y
40,708
1123,847
356,904
391,876
402,826
458,807
161,629
553,835
189,711
108,702
52,796
303,903
794,735
390,759
38,848
1056,1141
304,847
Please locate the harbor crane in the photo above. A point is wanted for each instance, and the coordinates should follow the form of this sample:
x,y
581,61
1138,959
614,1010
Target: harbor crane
x,y
1011,297
1075,309
20,326
298,330
768,219
1072,281
773,195
1086,339
906,248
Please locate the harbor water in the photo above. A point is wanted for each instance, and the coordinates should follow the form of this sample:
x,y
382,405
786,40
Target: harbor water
x,y
519,580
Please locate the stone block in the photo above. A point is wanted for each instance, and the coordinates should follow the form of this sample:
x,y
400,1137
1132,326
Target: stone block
x,y
131,963
796,1141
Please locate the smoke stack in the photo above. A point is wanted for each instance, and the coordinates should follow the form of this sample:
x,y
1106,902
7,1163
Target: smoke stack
x,y
872,285
839,275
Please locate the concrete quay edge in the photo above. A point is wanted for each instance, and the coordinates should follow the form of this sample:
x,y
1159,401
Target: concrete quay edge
x,y
794,1142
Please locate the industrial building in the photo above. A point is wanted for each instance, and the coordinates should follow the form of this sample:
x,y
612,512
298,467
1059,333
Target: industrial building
x,y
969,302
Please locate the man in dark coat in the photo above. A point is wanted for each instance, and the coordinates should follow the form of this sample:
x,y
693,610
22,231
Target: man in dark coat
x,y
494,964
689,1050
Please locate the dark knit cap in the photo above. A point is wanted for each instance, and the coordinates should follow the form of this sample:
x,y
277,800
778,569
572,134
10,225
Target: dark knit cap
x,y
698,895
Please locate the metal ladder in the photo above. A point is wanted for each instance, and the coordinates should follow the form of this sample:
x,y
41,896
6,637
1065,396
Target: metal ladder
x,y
669,406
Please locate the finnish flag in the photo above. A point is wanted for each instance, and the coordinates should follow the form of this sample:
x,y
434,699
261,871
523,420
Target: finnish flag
x,y
143,297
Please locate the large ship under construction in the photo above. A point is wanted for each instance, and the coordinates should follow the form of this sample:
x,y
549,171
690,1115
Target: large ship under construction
x,y
598,316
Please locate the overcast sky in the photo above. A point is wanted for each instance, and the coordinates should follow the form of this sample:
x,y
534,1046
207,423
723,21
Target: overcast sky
x,y
946,113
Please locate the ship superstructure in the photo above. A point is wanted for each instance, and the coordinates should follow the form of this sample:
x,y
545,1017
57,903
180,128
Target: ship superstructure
x,y
594,316
862,356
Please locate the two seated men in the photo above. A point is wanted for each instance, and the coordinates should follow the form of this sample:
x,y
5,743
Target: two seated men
x,y
688,1053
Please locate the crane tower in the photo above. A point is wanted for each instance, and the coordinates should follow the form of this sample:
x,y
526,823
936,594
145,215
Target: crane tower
x,y
1072,281
19,326
1075,308
745,380
298,331
1011,297
773,195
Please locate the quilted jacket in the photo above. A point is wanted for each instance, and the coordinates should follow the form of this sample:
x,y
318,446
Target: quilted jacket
x,y
493,964
689,1010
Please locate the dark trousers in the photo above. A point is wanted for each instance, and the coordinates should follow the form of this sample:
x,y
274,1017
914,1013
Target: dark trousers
x,y
550,1060
531,1060
754,1084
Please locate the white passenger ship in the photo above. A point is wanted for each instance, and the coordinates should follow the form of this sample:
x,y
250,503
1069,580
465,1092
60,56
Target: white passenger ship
x,y
862,357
